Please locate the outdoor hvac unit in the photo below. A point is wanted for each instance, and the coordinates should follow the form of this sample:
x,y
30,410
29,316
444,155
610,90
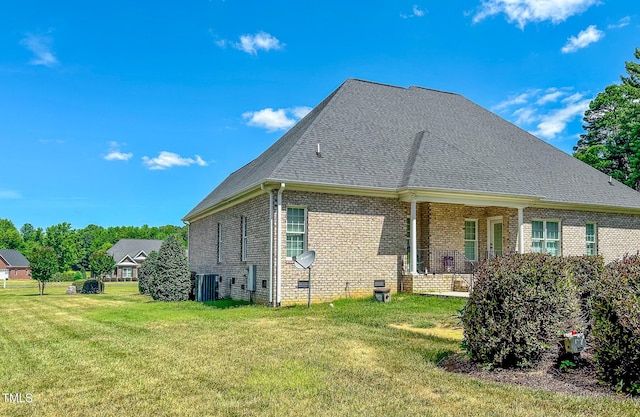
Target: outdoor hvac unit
x,y
251,277
206,287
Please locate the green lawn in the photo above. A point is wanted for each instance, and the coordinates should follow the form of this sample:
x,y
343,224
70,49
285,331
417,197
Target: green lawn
x,y
120,354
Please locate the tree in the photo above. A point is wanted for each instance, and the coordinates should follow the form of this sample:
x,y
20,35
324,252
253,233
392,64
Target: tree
x,y
146,272
44,263
64,241
172,279
611,143
101,263
10,238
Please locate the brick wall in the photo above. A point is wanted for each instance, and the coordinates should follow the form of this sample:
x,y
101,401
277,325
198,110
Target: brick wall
x,y
617,234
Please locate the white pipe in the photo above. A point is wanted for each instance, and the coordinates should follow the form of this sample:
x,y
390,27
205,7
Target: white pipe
x,y
270,286
414,242
279,249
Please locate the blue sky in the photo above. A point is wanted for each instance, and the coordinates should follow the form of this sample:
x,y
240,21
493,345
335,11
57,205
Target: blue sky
x,y
129,113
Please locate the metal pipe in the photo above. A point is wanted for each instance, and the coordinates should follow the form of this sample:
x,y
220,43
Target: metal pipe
x,y
279,248
270,286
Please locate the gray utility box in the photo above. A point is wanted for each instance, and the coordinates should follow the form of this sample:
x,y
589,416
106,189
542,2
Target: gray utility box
x,y
574,342
382,295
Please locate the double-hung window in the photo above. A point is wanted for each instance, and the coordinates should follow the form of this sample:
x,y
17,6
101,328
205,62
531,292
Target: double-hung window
x,y
471,239
127,272
243,238
545,237
296,230
219,242
591,239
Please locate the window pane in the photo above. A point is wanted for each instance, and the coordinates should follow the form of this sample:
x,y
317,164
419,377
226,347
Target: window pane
x,y
591,248
295,220
470,230
537,230
552,248
536,246
470,250
295,245
552,230
591,232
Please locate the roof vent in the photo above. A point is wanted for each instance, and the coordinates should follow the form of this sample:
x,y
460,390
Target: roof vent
x,y
318,151
610,180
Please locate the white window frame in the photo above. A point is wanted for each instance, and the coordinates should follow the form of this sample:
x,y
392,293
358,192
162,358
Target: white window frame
x,y
243,238
287,232
129,272
594,242
475,241
219,249
545,238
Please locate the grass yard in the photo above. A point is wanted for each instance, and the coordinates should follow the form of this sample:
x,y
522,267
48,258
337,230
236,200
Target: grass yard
x,y
120,354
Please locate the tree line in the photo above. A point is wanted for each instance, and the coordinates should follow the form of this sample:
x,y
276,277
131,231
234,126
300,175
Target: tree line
x,y
73,248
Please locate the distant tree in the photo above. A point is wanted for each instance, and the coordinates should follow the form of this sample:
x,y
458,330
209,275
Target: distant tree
x,y
172,279
611,143
64,241
44,263
101,264
146,272
10,238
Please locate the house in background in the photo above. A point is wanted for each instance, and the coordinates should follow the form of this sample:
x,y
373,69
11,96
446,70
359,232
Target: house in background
x,y
13,265
400,187
129,255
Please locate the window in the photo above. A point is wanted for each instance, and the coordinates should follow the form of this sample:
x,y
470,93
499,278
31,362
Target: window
x,y
127,272
296,229
219,242
545,236
471,239
591,239
243,238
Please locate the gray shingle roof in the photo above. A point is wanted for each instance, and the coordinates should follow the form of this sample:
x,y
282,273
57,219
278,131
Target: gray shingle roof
x,y
378,136
132,247
14,257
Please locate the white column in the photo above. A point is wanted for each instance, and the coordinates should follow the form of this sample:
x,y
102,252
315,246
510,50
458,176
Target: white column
x,y
520,230
414,240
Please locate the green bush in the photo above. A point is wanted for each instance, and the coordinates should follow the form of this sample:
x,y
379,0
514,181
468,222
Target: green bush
x,y
519,309
171,279
66,276
79,284
146,272
93,286
586,272
616,325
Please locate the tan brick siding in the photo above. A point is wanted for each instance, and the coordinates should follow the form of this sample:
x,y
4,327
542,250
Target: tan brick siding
x,y
617,234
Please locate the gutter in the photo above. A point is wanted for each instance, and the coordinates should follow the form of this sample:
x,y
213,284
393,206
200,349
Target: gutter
x,y
270,286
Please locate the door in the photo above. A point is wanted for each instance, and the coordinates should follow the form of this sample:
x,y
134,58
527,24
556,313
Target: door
x,y
495,237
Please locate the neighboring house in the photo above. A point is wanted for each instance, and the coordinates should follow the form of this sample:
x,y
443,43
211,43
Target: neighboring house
x,y
401,186
129,255
13,264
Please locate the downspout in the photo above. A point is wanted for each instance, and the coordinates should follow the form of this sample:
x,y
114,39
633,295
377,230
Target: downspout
x,y
521,229
279,249
270,286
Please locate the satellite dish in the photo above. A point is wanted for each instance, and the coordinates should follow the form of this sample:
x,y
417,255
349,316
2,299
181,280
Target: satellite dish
x,y
305,259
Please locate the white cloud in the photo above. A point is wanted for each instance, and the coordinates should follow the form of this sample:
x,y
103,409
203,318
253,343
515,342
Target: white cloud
x,y
115,154
40,46
9,195
415,12
251,44
585,38
527,11
545,113
166,160
621,23
273,120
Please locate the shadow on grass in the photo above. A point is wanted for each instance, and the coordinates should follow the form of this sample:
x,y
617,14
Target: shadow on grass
x,y
226,303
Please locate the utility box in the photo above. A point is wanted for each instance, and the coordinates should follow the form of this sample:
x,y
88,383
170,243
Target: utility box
x,y
574,342
251,277
382,295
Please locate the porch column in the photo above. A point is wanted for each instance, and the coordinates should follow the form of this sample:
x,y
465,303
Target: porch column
x,y
414,239
520,230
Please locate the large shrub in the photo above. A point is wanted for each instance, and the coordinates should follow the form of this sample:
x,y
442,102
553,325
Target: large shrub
x,y
92,286
616,325
146,272
519,309
172,279
586,272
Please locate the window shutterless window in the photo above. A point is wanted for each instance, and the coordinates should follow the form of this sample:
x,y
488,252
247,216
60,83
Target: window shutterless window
x,y
545,237
471,239
127,272
591,239
296,230
243,238
219,242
